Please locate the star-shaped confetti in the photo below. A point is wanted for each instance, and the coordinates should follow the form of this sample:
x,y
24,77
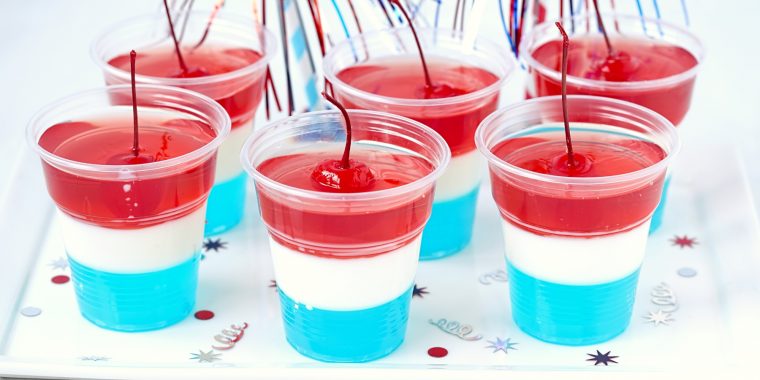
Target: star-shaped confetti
x,y
59,263
684,241
94,358
205,357
659,318
214,245
419,291
601,358
502,345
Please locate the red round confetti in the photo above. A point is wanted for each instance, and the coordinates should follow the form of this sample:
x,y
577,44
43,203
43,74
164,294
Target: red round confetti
x,y
438,352
204,315
60,279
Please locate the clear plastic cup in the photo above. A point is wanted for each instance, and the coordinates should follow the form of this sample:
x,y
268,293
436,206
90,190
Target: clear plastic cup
x,y
669,96
574,245
455,118
239,91
133,233
345,262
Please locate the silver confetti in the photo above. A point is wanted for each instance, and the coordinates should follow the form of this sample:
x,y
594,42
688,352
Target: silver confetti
x,y
30,311
59,263
659,318
687,272
94,358
455,328
495,276
662,295
205,357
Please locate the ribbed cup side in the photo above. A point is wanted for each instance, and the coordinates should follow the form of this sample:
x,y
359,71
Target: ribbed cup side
x,y
136,301
226,204
449,228
346,336
573,315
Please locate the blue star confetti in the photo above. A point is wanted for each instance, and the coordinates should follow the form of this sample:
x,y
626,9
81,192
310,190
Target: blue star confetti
x,y
419,291
600,358
502,345
214,245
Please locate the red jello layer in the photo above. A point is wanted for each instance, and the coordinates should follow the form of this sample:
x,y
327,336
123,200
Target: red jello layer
x,y
636,60
320,230
403,78
563,209
127,203
209,59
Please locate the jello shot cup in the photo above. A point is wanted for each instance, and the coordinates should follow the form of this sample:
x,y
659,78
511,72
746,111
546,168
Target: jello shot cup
x,y
657,69
381,71
575,235
132,225
229,67
345,262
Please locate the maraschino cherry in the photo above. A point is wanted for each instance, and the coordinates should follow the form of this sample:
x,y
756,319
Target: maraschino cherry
x,y
432,90
617,66
185,71
344,175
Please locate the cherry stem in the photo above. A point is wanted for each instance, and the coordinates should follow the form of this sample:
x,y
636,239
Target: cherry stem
x,y
568,140
344,162
174,38
135,134
610,50
428,82
219,4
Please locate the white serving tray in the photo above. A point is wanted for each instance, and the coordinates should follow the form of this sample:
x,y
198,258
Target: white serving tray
x,y
715,329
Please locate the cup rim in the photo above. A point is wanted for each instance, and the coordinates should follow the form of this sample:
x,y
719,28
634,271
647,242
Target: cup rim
x,y
33,134
506,60
426,180
268,39
600,180
699,54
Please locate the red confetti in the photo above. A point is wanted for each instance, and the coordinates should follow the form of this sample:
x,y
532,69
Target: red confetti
x,y
684,241
204,315
60,279
438,352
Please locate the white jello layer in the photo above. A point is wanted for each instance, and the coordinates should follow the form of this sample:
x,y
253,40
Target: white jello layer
x,y
344,284
135,250
576,261
228,164
461,176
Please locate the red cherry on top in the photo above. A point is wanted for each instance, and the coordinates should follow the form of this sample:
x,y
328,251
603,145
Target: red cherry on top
x,y
331,176
440,90
618,67
192,72
561,166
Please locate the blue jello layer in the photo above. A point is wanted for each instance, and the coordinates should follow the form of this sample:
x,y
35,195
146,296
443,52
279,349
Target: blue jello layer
x,y
226,205
449,229
139,301
660,210
572,315
346,336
